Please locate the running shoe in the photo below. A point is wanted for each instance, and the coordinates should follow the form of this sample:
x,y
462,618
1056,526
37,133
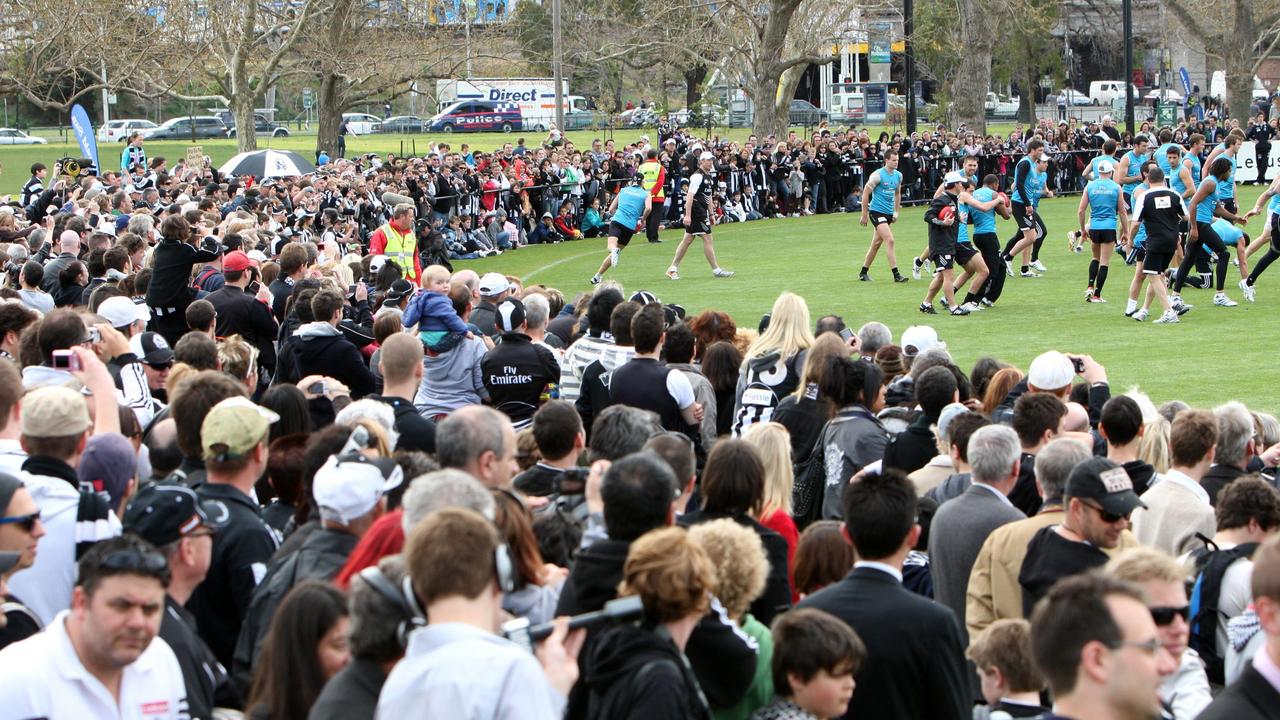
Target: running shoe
x,y
971,307
943,302
1030,274
722,273
1221,300
864,277
1166,319
1088,292
1073,243
595,279
673,273
614,256
916,264
1095,299
986,303
1140,315
901,278
959,311
1008,269
1249,293
927,309
1235,261
1038,266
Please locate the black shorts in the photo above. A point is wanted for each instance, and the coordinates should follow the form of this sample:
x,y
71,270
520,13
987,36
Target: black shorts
x,y
1102,237
964,253
1230,204
1155,263
879,218
699,225
942,260
1140,254
621,232
1026,220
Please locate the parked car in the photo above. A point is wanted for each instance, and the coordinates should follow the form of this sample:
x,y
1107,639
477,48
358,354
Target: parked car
x,y
477,116
184,128
261,125
9,136
404,124
684,116
120,130
1165,95
804,112
1104,92
1074,97
1003,109
638,117
362,123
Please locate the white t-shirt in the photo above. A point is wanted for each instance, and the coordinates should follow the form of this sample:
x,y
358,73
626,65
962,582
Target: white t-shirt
x,y
42,677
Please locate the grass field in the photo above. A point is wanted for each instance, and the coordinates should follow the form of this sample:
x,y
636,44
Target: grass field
x,y
1213,355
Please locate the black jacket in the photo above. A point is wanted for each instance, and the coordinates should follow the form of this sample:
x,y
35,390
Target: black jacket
x,y
485,317
320,349
208,685
776,598
416,432
170,280
723,658
352,694
913,448
1250,698
803,419
915,667
1218,477
516,372
239,313
320,557
1051,557
635,672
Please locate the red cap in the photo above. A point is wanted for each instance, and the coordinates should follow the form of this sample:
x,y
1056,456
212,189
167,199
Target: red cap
x,y
236,260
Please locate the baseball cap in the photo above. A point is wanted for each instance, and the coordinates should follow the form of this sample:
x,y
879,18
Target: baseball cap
x,y
918,338
236,260
644,297
953,177
494,284
122,311
9,485
706,156
348,486
510,315
949,413
233,427
211,244
546,215
108,464
1105,167
151,348
163,513
1050,371
398,290
376,263
1101,479
54,411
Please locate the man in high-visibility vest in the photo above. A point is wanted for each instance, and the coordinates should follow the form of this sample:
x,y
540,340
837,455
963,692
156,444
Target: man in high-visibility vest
x,y
655,179
396,240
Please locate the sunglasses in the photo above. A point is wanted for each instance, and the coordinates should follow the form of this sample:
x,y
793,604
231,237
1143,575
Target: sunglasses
x,y
1164,615
126,560
26,522
1108,517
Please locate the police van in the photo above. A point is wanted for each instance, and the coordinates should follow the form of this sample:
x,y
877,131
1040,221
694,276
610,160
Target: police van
x,y
477,116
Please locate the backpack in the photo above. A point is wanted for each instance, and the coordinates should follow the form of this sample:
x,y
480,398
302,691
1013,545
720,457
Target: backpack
x,y
810,485
1211,564
205,274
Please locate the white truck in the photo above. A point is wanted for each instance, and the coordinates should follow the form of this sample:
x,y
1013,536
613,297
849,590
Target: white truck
x,y
536,98
1001,109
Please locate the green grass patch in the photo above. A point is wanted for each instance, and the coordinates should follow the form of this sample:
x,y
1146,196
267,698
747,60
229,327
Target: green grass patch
x,y
1213,355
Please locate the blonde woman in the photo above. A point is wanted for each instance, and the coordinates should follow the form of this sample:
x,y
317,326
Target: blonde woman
x,y
773,442
1153,448
772,363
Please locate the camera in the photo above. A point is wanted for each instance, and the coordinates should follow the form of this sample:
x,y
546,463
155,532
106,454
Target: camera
x,y
571,482
66,360
615,612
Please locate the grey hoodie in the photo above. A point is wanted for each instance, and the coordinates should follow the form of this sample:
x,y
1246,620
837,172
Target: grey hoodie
x,y
452,379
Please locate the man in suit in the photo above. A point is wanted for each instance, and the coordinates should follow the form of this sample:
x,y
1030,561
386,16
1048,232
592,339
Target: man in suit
x,y
1256,695
915,667
1098,646
963,525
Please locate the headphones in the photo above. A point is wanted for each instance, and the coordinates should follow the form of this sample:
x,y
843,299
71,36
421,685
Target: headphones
x,y
405,602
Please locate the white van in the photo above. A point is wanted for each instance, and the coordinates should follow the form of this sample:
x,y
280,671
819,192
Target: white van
x,y
1102,92
1218,86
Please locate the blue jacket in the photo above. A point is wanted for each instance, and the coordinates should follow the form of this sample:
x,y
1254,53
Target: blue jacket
x,y
433,312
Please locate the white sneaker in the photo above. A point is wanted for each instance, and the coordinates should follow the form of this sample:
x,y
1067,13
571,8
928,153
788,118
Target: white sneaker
x,y
916,264
1249,293
614,255
1141,315
1221,300
1095,299
971,307
1235,261
1088,292
1008,269
986,303
1038,266
943,302
1031,274
721,273
595,279
1167,318
673,273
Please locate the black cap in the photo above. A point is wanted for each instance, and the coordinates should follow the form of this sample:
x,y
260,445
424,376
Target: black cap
x,y
510,315
399,290
163,513
151,349
211,244
644,297
1106,482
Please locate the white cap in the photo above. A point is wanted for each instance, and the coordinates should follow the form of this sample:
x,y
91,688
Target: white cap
x,y
494,284
918,338
349,486
1050,371
953,177
375,264
122,311
949,413
706,156
1105,167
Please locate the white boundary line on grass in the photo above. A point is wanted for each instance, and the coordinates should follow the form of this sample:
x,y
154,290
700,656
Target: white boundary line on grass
x,y
559,262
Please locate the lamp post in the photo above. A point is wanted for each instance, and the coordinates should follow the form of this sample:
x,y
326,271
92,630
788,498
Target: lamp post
x,y
908,28
1127,21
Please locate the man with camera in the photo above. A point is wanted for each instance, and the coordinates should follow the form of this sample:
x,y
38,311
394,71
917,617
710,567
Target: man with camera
x,y
242,308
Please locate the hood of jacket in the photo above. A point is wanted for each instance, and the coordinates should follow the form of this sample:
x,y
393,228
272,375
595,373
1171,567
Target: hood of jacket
x,y
621,651
314,339
38,376
595,577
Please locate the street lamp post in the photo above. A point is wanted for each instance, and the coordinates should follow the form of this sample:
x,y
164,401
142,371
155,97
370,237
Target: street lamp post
x,y
908,29
1127,10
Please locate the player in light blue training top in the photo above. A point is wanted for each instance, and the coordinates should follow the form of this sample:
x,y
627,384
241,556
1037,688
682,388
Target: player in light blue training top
x,y
881,198
1105,204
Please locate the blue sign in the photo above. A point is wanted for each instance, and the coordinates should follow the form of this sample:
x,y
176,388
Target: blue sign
x,y
877,99
83,128
1186,81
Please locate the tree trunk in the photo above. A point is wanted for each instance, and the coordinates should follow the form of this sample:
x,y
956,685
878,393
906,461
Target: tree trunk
x,y
1238,62
693,78
973,78
242,110
329,116
766,120
787,84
